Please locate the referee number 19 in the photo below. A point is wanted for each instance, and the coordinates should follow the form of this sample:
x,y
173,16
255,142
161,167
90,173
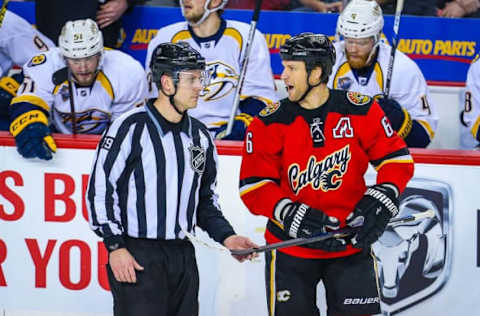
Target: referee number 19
x,y
249,142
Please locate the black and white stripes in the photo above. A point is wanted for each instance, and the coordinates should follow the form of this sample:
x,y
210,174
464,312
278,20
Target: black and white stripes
x,y
153,179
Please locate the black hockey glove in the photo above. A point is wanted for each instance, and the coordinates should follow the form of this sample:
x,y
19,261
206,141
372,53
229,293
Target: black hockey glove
x,y
8,90
372,213
301,221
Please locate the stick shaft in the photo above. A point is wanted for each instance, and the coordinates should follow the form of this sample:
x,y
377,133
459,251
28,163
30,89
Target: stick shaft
x,y
241,78
3,11
72,103
396,27
333,234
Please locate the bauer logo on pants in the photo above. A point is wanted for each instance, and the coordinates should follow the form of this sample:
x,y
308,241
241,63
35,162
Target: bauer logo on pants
x,y
414,258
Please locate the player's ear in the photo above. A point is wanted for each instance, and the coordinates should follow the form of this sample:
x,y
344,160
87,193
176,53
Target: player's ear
x,y
315,75
214,3
167,84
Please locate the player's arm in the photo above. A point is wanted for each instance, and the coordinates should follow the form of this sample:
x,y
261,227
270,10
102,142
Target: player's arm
x,y
389,155
261,192
248,108
470,116
260,170
410,110
416,132
24,41
387,151
133,91
209,215
102,194
8,90
30,109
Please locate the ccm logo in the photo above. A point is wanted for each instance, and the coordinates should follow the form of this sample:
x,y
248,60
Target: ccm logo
x,y
361,301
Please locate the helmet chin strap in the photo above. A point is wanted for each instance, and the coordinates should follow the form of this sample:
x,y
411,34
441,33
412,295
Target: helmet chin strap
x,y
310,87
372,54
171,96
205,15
172,101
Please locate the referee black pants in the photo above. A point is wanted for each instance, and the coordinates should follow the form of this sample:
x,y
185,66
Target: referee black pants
x,y
168,285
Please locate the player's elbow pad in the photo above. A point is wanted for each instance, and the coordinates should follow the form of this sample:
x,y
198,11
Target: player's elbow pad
x,y
252,106
418,136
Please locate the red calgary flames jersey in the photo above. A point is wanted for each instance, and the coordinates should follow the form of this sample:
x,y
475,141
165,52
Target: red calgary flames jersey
x,y
319,157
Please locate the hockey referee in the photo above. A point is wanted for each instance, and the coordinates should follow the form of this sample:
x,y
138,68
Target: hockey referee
x,y
154,177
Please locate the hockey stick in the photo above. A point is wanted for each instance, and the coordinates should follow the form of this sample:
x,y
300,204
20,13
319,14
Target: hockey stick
x,y
396,26
72,104
3,11
241,78
344,232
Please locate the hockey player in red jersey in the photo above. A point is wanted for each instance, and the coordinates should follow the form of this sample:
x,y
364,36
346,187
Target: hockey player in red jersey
x,y
303,167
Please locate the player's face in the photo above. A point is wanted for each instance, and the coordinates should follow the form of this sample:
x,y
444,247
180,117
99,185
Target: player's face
x,y
84,70
189,87
193,10
358,50
294,76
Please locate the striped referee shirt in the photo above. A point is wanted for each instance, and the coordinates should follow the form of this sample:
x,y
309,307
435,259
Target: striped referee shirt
x,y
152,179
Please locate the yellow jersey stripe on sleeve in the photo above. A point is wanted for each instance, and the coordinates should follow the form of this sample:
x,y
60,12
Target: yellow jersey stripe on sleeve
x,y
401,159
32,99
427,127
253,186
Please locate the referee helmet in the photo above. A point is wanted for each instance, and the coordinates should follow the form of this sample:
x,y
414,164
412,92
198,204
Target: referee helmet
x,y
169,58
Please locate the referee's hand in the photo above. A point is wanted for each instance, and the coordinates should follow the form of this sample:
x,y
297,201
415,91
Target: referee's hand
x,y
123,265
236,242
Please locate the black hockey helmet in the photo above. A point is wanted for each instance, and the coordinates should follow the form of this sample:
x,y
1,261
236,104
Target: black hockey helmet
x,y
172,58
313,49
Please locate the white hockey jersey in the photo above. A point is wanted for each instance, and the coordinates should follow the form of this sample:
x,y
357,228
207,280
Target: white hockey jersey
x,y
223,52
471,113
19,42
120,86
408,85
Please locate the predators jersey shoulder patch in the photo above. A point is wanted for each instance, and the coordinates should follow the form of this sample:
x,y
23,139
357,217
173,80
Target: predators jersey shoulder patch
x,y
37,60
269,109
357,98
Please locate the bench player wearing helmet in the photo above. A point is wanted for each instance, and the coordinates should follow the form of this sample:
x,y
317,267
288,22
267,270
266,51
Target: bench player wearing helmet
x,y
361,66
222,43
152,268
303,167
77,88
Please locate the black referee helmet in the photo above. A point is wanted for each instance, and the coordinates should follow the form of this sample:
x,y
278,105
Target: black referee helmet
x,y
169,58
313,49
